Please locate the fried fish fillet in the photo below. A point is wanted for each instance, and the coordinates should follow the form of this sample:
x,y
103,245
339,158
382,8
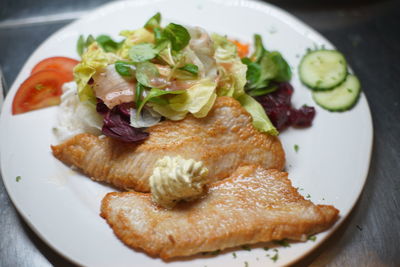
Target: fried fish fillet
x,y
223,140
252,205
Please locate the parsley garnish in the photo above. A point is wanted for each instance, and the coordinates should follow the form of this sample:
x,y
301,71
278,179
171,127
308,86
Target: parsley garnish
x,y
246,247
266,248
296,148
234,255
216,252
18,178
308,196
283,243
275,257
312,238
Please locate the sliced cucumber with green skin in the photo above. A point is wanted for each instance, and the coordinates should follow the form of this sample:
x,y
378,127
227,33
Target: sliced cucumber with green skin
x,y
341,98
323,69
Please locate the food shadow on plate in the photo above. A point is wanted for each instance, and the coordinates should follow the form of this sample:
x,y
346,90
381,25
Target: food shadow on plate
x,y
271,248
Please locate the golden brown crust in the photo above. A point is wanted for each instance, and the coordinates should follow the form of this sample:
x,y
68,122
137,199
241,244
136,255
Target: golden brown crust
x,y
223,140
253,205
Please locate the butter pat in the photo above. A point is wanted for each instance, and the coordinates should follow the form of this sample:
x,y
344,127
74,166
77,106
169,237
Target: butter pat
x,y
175,179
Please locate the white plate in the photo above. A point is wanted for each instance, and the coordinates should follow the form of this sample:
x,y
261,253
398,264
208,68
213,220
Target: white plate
x,y
63,207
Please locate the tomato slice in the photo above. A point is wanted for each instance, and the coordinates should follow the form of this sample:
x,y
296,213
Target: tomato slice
x,y
61,64
41,89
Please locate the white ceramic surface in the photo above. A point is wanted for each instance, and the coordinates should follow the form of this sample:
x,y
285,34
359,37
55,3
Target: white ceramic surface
x,y
62,206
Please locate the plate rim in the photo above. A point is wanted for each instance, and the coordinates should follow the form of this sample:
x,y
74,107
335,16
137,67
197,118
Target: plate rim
x,y
290,19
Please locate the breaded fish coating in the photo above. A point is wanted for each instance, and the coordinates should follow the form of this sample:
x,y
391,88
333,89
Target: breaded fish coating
x,y
252,205
223,141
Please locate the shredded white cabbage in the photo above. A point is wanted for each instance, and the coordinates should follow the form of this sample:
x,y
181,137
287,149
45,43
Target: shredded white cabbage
x,y
75,117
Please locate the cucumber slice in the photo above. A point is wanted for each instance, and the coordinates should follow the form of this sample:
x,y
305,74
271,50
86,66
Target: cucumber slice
x,y
323,69
340,98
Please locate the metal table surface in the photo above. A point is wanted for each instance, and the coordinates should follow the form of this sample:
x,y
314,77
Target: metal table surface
x,y
367,32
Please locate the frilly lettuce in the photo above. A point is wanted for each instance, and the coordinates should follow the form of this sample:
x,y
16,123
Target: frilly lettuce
x,y
260,120
138,36
232,70
197,100
94,59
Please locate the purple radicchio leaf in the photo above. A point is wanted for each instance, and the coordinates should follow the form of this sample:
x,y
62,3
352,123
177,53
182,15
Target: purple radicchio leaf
x,y
116,123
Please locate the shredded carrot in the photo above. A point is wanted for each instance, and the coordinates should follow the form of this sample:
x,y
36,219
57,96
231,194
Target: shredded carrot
x,y
242,48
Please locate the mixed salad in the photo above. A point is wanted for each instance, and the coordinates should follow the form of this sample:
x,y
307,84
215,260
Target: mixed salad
x,y
167,72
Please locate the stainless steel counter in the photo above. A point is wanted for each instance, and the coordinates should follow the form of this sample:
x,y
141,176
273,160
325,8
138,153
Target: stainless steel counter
x,y
367,32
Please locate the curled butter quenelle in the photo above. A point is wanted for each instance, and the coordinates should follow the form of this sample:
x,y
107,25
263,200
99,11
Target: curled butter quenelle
x,y
176,178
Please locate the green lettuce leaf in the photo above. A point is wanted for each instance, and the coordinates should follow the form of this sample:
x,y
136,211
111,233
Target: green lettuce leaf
x,y
94,59
197,100
260,120
232,70
138,36
154,94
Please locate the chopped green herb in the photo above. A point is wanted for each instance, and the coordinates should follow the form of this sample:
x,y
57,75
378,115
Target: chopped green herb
x,y
283,243
312,238
216,252
296,148
246,247
308,196
193,69
275,257
246,264
275,250
266,248
349,90
234,255
142,52
39,86
18,178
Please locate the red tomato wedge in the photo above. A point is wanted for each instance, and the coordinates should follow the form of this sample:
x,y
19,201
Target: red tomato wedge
x,y
61,64
41,89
